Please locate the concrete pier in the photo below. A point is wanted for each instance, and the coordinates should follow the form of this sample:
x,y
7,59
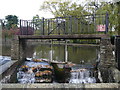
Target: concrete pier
x,y
107,61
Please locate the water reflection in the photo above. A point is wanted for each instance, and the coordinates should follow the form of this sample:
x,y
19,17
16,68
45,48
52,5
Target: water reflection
x,y
75,54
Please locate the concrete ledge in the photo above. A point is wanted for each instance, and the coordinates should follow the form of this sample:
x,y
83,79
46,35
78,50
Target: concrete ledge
x,y
63,85
116,74
5,66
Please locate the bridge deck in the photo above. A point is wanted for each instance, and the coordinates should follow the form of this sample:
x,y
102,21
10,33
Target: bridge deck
x,y
80,36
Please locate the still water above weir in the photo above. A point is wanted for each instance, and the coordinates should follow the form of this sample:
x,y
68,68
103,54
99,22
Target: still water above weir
x,y
75,54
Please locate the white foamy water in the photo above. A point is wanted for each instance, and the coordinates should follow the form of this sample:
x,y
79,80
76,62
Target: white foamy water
x,y
81,76
25,77
29,76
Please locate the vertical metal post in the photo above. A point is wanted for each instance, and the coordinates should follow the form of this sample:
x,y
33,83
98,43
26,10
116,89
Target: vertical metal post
x,y
66,52
58,25
51,25
48,26
33,27
51,52
70,24
106,23
76,25
64,27
27,29
88,26
80,26
20,28
24,25
43,25
94,18
1,23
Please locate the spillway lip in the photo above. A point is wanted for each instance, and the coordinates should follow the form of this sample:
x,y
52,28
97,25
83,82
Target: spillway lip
x,y
78,70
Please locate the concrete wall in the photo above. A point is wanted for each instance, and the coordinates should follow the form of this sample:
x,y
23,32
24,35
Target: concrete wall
x,y
107,60
62,86
117,43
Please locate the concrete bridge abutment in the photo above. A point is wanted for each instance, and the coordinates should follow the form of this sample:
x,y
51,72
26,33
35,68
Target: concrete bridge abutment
x,y
18,48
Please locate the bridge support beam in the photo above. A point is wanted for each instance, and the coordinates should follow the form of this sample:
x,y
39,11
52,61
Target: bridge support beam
x,y
22,49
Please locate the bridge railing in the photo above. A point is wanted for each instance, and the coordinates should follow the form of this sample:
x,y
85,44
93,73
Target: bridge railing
x,y
86,24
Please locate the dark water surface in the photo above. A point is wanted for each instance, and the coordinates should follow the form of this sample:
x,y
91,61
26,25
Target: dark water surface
x,y
75,54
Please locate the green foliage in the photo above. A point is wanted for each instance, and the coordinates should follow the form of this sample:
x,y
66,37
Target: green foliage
x,y
61,8
102,8
12,21
8,33
37,21
111,9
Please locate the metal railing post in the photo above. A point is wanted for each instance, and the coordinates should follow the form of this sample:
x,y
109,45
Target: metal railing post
x,y
106,22
33,27
27,29
48,26
70,25
43,25
20,28
1,24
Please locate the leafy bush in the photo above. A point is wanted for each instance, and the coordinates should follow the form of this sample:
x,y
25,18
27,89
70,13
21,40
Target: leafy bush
x,y
25,31
9,33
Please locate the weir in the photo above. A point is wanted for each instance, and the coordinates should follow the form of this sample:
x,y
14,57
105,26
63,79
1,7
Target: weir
x,y
67,29
19,42
106,57
105,65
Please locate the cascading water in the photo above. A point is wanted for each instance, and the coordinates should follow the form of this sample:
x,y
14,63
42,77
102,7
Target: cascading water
x,y
81,75
34,71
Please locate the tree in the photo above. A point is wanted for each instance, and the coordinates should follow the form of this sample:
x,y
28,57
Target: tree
x,y
36,21
60,8
64,8
12,21
102,8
